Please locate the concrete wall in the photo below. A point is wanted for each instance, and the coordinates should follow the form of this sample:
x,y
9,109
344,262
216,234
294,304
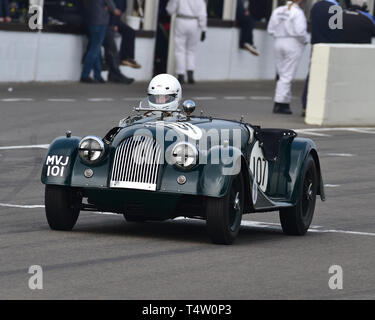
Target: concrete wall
x,y
219,57
341,85
29,56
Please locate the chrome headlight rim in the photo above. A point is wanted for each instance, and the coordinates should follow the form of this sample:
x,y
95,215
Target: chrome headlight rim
x,y
195,155
101,149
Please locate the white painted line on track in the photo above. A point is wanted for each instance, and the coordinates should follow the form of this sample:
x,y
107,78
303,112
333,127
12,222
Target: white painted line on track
x,y
235,98
337,129
20,206
17,99
361,131
311,133
36,146
315,229
61,100
100,99
104,213
277,226
345,155
319,131
358,233
332,185
244,223
204,98
260,98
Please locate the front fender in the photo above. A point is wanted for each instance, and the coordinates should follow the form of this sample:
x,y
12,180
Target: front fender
x,y
210,178
300,150
219,170
59,161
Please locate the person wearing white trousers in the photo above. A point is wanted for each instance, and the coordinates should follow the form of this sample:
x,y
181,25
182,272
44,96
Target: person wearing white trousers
x,y
289,27
190,25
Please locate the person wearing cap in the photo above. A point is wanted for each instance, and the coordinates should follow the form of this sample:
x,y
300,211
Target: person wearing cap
x,y
190,24
359,24
321,32
288,26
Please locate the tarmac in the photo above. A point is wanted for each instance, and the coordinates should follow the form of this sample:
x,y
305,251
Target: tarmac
x,y
105,257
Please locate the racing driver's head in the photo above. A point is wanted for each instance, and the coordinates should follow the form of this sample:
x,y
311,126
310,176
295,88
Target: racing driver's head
x,y
164,92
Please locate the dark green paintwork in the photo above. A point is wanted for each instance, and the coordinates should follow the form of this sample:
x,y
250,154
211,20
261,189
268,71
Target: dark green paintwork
x,y
204,180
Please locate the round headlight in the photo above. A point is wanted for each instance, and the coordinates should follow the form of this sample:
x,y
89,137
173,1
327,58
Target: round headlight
x,y
185,155
91,149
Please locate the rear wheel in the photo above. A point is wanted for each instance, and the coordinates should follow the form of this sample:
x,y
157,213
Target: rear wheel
x,y
224,215
62,206
297,220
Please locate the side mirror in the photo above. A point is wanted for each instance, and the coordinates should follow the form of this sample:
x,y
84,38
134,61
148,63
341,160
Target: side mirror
x,y
189,107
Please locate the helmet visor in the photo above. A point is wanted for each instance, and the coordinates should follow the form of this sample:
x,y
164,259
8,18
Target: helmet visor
x,y
161,98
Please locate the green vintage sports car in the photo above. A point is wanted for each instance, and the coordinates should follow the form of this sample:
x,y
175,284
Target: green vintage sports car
x,y
159,165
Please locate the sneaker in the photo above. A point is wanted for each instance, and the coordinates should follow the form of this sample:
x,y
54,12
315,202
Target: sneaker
x,y
87,80
253,50
282,108
131,63
120,79
100,80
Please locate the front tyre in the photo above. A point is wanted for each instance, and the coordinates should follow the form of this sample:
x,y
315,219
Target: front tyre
x,y
224,215
297,220
62,205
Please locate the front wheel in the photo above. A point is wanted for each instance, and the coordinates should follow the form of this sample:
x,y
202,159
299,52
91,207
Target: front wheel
x,y
224,215
62,205
297,220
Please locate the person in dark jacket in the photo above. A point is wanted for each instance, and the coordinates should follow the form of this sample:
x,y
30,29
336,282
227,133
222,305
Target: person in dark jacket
x,y
112,58
321,32
127,47
359,25
4,11
97,19
320,29
246,23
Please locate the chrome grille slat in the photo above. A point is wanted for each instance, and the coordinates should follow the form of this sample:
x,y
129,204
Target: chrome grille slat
x,y
137,160
127,156
143,167
129,163
136,164
121,155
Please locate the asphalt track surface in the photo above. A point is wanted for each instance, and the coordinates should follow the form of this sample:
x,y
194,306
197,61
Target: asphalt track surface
x,y
106,258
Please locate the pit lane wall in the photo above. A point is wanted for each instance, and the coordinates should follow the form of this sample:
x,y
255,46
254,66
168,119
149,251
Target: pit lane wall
x,y
341,89
30,56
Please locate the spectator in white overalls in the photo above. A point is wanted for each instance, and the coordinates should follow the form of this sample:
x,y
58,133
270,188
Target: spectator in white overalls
x,y
289,27
190,24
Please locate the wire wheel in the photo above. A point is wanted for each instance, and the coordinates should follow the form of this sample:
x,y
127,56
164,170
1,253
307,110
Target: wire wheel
x,y
297,220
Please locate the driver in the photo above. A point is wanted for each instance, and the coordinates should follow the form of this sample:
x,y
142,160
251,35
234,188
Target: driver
x,y
164,92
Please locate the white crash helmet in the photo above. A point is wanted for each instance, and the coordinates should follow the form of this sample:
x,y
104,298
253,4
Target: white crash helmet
x,y
164,92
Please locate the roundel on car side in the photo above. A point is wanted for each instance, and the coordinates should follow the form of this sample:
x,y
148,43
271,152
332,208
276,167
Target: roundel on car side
x,y
259,167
